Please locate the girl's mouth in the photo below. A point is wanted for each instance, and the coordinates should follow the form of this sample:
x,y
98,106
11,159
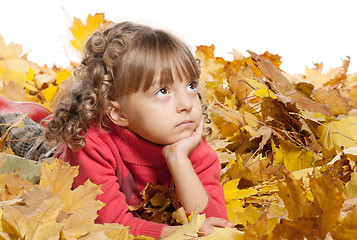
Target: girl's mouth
x,y
184,123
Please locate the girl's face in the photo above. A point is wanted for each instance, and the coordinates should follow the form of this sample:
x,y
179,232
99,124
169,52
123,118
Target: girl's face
x,y
164,114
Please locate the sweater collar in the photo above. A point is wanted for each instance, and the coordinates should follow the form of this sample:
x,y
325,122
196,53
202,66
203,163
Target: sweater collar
x,y
137,150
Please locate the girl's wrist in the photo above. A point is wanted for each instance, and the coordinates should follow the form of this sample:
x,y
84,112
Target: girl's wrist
x,y
166,231
174,157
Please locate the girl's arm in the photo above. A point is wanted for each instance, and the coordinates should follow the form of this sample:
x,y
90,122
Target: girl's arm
x,y
194,180
197,179
189,188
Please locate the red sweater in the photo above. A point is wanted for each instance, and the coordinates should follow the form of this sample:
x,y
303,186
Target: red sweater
x,y
124,163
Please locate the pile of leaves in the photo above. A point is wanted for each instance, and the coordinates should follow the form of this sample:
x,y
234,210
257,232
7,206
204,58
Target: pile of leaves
x,y
287,145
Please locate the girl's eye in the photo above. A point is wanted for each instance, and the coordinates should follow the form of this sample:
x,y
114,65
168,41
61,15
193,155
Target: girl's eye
x,y
192,86
162,92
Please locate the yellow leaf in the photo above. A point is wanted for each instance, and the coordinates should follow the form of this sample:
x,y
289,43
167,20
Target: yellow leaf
x,y
231,192
189,229
351,187
11,186
339,134
261,229
82,32
112,231
41,224
348,227
31,75
250,215
292,192
225,234
58,176
293,157
50,92
62,75
233,207
82,199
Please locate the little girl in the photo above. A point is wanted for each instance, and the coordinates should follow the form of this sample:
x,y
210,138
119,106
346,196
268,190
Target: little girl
x,y
136,118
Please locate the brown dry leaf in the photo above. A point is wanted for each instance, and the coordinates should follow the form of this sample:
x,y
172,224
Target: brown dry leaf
x,y
158,205
298,229
180,216
329,198
280,84
338,103
277,81
332,78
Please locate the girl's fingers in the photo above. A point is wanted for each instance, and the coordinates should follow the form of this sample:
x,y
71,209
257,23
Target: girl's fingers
x,y
209,224
218,222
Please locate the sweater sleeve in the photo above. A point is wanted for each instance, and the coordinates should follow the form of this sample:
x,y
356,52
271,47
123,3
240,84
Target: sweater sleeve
x,y
208,167
98,162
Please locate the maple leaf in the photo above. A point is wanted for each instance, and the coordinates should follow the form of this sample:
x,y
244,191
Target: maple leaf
x,y
340,133
280,84
293,194
293,157
261,229
347,228
350,189
329,198
52,209
40,224
82,32
158,205
189,229
225,234
333,77
338,103
11,185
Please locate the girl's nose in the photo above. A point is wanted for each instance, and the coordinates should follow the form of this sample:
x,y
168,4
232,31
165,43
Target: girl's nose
x,y
184,103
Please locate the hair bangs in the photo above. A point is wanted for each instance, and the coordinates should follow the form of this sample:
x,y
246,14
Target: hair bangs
x,y
173,61
155,55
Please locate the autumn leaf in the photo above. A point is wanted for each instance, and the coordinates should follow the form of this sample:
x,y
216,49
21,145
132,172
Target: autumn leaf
x,y
333,98
329,197
286,143
293,193
188,230
11,185
82,32
294,157
350,189
339,134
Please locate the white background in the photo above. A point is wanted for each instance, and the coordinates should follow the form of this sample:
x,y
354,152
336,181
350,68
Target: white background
x,y
302,32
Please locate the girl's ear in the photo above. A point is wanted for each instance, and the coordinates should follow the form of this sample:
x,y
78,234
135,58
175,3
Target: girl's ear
x,y
117,116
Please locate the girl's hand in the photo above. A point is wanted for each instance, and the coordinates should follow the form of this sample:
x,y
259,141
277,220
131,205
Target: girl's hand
x,y
184,146
207,226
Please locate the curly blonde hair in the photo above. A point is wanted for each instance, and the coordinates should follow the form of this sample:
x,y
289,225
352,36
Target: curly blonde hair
x,y
118,61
